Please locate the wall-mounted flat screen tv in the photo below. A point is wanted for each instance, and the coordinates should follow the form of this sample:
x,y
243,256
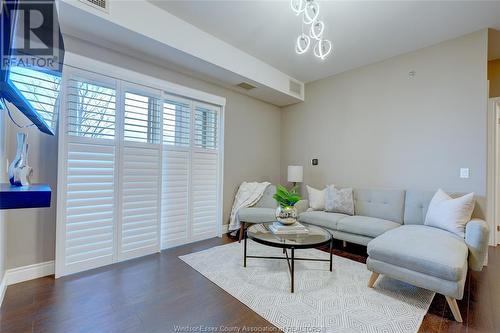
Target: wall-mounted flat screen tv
x,y
32,54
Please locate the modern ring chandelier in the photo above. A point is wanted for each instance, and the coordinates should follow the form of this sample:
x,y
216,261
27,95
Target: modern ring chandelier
x,y
310,19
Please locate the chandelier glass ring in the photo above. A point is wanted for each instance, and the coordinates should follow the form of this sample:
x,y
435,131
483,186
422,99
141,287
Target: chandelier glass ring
x,y
311,12
303,43
317,29
322,48
309,9
298,6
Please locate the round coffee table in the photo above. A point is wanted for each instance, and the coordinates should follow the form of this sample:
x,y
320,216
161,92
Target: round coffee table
x,y
316,237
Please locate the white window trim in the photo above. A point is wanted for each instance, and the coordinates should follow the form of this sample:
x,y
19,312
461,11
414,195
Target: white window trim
x,y
90,68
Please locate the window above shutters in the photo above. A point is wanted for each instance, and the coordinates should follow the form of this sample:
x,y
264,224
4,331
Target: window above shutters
x,y
176,122
92,110
142,118
205,127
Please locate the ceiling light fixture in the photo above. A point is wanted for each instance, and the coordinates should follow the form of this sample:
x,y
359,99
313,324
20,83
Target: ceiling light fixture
x,y
323,48
311,12
303,42
317,29
310,15
298,6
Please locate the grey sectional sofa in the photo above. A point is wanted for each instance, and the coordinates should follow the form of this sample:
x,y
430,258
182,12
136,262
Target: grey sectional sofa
x,y
376,211
391,224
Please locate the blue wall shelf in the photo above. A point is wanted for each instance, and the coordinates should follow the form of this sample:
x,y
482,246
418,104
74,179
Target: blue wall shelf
x,y
33,196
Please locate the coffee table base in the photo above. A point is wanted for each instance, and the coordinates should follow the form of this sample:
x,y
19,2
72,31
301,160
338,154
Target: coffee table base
x,y
290,260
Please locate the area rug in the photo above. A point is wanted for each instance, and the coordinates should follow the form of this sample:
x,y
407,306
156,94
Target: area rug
x,y
324,301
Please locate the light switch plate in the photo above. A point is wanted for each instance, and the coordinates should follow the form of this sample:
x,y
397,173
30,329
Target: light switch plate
x,y
464,172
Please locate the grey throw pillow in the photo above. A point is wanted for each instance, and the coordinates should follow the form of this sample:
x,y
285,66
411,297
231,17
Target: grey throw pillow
x,y
339,200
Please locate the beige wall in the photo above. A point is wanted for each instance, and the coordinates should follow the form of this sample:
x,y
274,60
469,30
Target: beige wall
x,y
494,77
376,127
371,126
31,232
251,148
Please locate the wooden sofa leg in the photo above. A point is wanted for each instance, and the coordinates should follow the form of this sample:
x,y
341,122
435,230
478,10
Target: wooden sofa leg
x,y
454,308
373,279
242,231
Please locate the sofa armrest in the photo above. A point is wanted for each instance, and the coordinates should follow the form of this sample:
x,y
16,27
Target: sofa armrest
x,y
477,237
302,206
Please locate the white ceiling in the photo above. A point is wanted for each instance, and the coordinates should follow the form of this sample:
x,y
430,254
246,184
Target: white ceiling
x,y
362,32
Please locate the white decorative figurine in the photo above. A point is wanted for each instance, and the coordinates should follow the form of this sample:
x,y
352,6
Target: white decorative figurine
x,y
19,170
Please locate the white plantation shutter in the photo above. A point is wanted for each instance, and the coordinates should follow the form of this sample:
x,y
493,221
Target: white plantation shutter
x,y
190,201
139,171
89,192
175,220
205,128
141,181
141,176
205,172
91,109
142,118
176,122
204,195
90,213
175,225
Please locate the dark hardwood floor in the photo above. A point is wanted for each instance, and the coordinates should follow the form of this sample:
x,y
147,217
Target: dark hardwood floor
x,y
159,292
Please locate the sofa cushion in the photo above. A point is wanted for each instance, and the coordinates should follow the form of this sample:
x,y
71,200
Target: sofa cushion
x,y
365,225
267,200
257,214
316,198
450,214
322,219
383,204
339,200
423,249
416,205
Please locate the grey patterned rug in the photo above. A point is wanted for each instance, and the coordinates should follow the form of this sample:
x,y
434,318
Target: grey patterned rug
x,y
323,301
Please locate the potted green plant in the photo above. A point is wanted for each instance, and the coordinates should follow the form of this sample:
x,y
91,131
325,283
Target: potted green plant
x,y
286,213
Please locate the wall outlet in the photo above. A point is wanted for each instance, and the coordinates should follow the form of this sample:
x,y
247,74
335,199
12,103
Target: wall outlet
x,y
464,172
314,161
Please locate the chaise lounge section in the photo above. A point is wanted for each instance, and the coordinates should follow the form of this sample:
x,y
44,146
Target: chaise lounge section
x,y
429,257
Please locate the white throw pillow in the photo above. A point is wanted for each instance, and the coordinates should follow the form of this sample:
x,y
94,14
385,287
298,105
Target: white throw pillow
x,y
450,214
316,198
339,200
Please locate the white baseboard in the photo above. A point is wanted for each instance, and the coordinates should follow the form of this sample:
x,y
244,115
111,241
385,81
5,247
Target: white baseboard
x,y
30,272
3,287
225,228
25,273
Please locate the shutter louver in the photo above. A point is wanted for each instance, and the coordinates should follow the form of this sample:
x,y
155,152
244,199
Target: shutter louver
x,y
91,110
205,128
176,123
204,195
140,183
175,198
90,195
142,118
